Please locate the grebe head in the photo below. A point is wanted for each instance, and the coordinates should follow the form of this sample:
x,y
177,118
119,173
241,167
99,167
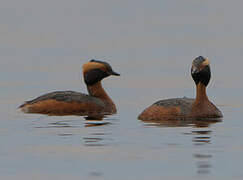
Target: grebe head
x,y
95,70
200,70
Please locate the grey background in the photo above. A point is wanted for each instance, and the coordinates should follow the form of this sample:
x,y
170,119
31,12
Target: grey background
x,y
43,45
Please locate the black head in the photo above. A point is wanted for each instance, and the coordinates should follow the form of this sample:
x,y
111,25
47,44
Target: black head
x,y
200,70
95,70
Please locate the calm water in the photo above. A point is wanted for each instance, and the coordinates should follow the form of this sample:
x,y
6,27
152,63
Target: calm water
x,y
152,44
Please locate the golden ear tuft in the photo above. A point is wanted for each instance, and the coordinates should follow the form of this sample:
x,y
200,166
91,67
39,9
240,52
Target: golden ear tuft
x,y
206,62
93,65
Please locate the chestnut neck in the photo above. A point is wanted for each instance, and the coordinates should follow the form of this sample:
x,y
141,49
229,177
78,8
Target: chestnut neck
x,y
201,96
96,90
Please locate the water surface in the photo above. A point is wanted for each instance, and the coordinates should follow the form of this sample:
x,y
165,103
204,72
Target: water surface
x,y
152,44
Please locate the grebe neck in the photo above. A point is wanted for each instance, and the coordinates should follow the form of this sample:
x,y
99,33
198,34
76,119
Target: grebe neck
x,y
96,90
201,95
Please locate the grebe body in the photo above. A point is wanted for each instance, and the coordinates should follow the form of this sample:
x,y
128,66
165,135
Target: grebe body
x,y
75,103
181,108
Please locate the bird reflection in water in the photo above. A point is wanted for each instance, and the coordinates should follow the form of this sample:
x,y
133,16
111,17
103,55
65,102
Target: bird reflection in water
x,y
185,122
95,120
97,137
201,135
203,163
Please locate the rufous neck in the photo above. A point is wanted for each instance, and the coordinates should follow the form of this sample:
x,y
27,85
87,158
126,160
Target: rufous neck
x,y
201,93
98,91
